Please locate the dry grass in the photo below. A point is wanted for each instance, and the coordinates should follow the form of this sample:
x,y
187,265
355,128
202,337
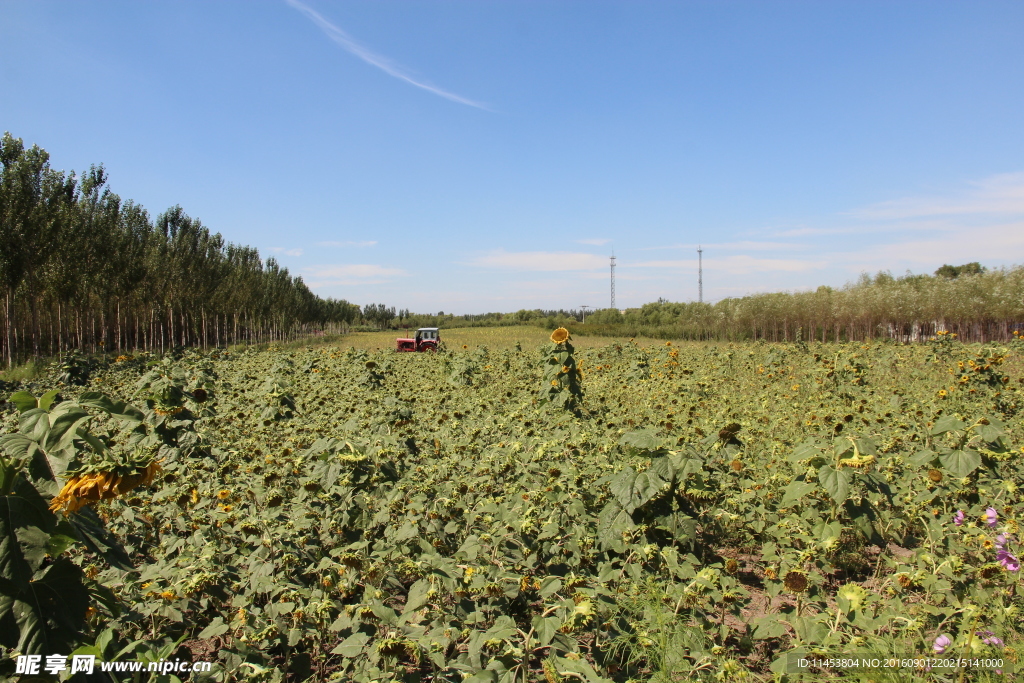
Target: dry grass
x,y
494,338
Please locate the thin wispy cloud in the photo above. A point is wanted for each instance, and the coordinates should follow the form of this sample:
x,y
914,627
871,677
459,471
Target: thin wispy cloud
x,y
997,194
745,245
384,64
740,264
811,232
597,242
286,252
538,260
363,243
355,270
355,274
995,243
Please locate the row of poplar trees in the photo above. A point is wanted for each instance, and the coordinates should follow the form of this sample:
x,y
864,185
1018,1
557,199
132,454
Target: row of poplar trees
x,y
976,304
81,268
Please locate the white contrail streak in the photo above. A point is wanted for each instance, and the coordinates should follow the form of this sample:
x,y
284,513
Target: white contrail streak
x,y
382,63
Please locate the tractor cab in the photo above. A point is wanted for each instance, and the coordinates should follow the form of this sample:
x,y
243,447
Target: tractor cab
x,y
426,339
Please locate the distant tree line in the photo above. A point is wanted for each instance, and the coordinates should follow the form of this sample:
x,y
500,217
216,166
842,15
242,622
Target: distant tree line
x,y
974,303
541,317
81,268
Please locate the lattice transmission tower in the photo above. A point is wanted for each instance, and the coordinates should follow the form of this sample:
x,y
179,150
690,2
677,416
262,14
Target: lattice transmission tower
x,y
700,274
613,280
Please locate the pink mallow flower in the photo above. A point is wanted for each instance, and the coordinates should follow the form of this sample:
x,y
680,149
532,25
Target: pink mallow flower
x,y
989,638
991,517
958,518
941,643
1008,560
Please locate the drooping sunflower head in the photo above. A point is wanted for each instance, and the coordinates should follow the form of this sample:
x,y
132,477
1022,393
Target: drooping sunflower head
x,y
170,410
560,336
90,487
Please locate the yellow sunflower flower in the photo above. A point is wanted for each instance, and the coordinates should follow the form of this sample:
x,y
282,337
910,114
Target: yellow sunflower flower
x,y
560,336
84,489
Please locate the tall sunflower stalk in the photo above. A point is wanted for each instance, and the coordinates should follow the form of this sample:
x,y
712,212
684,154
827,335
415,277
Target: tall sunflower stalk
x,y
562,379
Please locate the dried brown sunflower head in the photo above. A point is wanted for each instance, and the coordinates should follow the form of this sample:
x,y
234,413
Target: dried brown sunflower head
x,y
729,431
795,582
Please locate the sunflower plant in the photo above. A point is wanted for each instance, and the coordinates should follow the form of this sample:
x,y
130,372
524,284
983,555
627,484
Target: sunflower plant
x,y
65,452
561,377
374,374
177,396
279,402
72,368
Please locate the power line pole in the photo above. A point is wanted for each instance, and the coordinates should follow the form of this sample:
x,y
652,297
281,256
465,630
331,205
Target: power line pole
x,y
700,274
584,313
613,279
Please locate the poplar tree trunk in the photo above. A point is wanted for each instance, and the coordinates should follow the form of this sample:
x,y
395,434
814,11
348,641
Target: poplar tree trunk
x,y
10,324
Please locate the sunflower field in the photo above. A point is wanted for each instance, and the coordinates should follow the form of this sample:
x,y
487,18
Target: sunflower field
x,y
522,511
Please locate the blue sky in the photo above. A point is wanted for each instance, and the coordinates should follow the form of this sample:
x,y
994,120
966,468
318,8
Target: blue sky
x,y
473,156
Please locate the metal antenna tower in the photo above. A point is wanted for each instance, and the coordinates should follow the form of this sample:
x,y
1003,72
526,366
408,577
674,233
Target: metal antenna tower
x,y
700,274
613,279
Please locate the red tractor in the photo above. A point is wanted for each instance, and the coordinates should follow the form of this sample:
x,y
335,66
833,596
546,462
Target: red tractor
x,y
427,339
